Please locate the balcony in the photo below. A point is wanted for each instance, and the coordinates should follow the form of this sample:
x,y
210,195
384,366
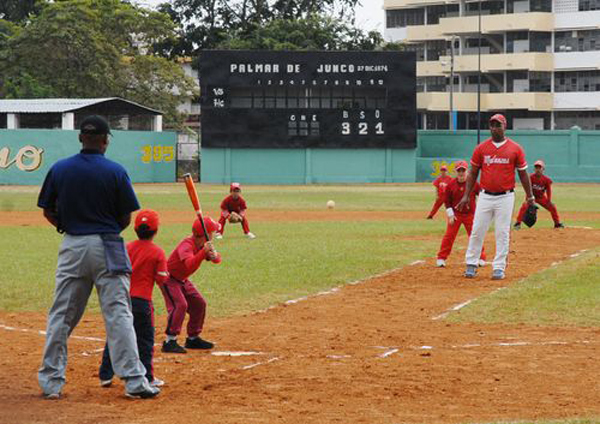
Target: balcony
x,y
467,102
534,21
430,69
398,4
424,33
502,62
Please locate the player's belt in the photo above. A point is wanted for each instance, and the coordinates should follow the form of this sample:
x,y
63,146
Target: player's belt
x,y
498,193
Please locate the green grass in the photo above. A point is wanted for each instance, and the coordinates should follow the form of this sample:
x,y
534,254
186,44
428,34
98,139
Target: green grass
x,y
566,294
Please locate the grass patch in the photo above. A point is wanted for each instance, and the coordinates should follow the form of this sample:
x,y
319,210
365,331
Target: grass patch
x,y
286,261
566,294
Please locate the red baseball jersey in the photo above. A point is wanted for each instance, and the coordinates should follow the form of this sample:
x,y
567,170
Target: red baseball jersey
x,y
186,259
498,164
149,264
441,183
541,185
233,205
455,192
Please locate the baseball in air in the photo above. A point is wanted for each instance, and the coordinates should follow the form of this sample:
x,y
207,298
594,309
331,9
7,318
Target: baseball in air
x,y
330,204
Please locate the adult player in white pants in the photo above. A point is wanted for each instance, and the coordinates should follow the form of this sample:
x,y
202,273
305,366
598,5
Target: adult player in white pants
x,y
497,158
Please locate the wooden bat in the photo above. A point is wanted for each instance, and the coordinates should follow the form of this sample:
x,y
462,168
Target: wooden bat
x,y
191,189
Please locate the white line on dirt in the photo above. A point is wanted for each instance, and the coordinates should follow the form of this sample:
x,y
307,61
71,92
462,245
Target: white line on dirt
x,y
417,262
388,353
223,353
247,367
43,333
338,356
453,309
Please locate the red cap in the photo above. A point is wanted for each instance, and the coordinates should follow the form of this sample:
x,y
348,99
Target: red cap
x,y
539,162
500,118
443,168
147,217
461,165
235,186
209,223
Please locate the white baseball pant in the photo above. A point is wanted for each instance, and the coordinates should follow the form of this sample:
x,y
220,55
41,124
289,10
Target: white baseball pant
x,y
491,208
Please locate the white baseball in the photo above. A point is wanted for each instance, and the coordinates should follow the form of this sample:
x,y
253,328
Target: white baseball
x,y
330,204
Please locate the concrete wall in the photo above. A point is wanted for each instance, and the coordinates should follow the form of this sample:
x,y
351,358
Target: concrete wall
x,y
306,166
26,155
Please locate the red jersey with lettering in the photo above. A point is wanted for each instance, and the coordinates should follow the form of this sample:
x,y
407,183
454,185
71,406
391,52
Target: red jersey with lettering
x,y
441,183
455,192
233,205
498,164
186,259
149,264
541,185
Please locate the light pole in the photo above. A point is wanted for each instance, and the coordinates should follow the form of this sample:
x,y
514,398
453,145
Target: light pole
x,y
451,112
479,77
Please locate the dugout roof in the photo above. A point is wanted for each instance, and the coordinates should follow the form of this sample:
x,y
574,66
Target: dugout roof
x,y
69,105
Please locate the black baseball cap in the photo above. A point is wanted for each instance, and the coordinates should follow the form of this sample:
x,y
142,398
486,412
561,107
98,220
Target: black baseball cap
x,y
94,124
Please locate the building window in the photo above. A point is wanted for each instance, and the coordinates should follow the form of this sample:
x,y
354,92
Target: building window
x,y
437,48
585,5
540,6
419,50
487,8
404,17
577,41
586,120
40,120
435,13
577,81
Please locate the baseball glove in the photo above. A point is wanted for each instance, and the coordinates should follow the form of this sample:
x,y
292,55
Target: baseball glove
x,y
234,218
530,216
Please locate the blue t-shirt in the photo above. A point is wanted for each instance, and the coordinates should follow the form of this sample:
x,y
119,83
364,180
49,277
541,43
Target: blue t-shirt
x,y
89,193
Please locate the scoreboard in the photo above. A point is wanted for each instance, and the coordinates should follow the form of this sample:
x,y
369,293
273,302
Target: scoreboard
x,y
284,99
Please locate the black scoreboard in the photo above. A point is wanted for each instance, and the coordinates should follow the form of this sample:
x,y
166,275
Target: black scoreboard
x,y
275,99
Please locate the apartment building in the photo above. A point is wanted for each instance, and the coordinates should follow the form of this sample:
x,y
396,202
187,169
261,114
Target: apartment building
x,y
539,61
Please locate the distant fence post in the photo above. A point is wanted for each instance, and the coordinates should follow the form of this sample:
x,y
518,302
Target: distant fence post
x,y
308,166
574,146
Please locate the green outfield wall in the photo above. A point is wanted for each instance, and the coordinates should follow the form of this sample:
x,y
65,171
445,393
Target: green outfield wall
x,y
26,155
307,166
570,155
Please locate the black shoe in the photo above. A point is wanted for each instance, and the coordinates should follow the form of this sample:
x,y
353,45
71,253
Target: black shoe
x,y
559,225
198,343
148,393
517,226
172,346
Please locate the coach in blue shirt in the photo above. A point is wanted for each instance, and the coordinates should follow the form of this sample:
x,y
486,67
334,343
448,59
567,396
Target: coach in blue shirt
x,y
90,199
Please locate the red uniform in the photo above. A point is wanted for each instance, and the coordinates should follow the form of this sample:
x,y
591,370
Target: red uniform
x,y
149,264
180,294
440,183
228,205
454,192
498,164
542,190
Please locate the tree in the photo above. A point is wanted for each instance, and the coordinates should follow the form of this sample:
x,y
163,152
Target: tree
x,y
312,33
19,10
96,48
209,24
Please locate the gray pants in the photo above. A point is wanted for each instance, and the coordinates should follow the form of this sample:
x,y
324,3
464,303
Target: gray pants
x,y
82,265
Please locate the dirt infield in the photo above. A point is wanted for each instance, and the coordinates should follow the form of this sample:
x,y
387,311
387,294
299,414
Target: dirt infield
x,y
366,353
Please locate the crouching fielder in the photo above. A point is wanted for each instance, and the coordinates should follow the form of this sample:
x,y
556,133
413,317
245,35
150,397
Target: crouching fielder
x,y
453,195
497,158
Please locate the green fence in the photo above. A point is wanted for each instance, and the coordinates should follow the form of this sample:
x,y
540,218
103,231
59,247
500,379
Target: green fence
x,y
570,155
307,166
26,155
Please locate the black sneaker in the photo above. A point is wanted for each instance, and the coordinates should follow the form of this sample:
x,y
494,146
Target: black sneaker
x,y
198,343
172,346
559,225
148,393
517,226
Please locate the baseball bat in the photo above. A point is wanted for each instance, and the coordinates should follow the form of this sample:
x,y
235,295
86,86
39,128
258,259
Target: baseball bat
x,y
191,189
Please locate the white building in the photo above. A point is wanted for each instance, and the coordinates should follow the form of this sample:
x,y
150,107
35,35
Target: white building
x,y
540,60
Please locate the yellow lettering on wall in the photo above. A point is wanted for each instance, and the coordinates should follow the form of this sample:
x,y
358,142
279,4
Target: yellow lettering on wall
x,y
27,159
437,164
157,153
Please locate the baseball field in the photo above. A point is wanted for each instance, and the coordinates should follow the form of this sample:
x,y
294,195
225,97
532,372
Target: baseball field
x,y
331,315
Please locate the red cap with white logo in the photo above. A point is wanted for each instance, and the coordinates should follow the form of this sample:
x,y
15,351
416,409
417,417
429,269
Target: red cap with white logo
x,y
539,162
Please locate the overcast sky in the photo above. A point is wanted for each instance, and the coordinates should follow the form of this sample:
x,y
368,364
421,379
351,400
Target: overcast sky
x,y
369,16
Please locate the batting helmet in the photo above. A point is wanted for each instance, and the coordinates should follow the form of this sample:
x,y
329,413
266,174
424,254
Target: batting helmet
x,y
209,223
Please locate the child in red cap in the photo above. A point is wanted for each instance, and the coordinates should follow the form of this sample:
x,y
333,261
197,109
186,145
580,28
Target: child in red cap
x,y
440,184
181,295
542,191
234,203
149,265
454,192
